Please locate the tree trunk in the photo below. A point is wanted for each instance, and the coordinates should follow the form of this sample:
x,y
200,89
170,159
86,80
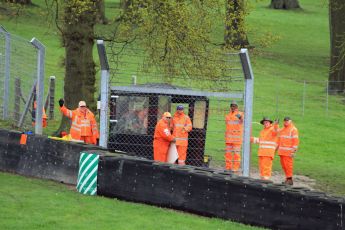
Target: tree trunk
x,y
337,37
80,67
284,4
65,126
235,35
124,4
100,18
78,40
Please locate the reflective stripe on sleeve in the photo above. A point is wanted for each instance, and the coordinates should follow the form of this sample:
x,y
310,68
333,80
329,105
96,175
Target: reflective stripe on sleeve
x,y
268,142
75,124
233,122
285,148
266,147
181,138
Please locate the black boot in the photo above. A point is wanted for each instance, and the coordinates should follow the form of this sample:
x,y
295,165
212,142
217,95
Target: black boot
x,y
289,181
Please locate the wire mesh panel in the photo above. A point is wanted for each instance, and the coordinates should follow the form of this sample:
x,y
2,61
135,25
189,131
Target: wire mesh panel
x,y
18,80
300,99
141,93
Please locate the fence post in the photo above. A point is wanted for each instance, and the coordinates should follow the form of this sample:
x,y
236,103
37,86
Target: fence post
x,y
40,83
51,97
327,86
134,79
6,72
248,102
28,104
303,97
104,127
17,96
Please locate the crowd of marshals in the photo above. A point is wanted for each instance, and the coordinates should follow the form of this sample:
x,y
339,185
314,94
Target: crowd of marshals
x,y
175,129
271,140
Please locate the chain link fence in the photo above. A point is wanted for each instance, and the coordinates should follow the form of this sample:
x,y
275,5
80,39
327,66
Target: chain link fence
x,y
21,81
139,95
299,99
317,94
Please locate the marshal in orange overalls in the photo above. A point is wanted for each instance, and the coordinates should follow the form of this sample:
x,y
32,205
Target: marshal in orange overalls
x,y
84,125
233,138
162,138
287,146
181,126
267,146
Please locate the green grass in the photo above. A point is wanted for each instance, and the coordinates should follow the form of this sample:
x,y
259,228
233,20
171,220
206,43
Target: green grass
x,y
27,203
301,53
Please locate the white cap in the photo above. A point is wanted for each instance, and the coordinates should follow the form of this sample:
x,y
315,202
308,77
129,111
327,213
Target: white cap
x,y
166,114
82,103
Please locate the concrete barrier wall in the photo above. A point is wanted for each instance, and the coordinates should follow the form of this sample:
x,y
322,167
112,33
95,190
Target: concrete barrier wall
x,y
198,190
219,194
41,157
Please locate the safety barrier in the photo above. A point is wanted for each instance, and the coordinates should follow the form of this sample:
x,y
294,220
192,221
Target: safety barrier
x,y
198,190
41,157
220,194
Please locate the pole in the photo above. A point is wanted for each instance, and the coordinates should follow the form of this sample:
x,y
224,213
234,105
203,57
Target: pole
x,y
51,97
303,97
327,86
7,72
40,84
248,113
104,127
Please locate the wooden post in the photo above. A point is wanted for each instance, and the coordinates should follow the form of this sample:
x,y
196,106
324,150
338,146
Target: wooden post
x,y
17,96
51,97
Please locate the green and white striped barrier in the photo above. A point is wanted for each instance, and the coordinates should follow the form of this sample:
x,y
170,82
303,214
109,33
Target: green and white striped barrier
x,y
87,175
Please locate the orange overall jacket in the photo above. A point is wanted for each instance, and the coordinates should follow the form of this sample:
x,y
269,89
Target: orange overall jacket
x,y
162,133
234,128
288,140
268,141
83,125
161,142
181,126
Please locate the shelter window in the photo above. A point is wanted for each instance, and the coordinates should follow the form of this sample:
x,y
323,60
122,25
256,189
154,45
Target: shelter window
x,y
199,114
132,115
163,106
